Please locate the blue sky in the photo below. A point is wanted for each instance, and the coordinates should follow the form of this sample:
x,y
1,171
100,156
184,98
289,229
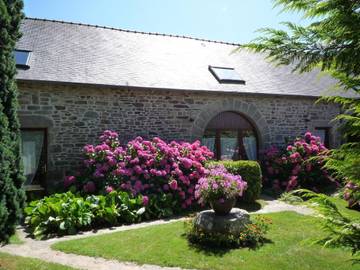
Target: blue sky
x,y
226,20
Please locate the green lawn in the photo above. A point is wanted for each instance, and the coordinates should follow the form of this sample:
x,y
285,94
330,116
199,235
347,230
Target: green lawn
x,y
10,262
164,245
340,203
15,239
342,206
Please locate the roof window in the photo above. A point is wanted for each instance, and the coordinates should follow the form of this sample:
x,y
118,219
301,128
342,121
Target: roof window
x,y
226,75
22,58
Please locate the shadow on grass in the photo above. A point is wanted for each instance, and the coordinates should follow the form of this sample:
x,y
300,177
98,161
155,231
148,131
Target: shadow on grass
x,y
250,207
209,249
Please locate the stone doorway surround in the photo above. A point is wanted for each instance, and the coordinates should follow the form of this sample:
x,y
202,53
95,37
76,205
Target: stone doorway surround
x,y
249,111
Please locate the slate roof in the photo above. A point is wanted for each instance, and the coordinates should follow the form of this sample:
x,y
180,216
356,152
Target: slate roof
x,y
88,54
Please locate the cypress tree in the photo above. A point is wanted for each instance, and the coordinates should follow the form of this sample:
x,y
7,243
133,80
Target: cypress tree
x,y
12,195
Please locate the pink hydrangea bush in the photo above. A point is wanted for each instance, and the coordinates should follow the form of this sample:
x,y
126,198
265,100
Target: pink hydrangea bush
x,y
295,166
147,167
219,185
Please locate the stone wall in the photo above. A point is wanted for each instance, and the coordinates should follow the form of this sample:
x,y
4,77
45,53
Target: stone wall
x,y
77,115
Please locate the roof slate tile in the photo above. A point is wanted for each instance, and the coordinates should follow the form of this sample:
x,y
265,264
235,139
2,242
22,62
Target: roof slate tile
x,y
78,53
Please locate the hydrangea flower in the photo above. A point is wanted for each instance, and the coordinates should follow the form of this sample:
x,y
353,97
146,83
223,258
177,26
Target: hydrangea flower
x,y
143,167
295,167
69,180
145,200
219,184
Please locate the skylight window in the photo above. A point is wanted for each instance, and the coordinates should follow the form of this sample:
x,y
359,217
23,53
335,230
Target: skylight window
x,y
226,75
22,58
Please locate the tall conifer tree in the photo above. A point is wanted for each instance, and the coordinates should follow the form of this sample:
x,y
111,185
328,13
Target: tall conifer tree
x,y
12,196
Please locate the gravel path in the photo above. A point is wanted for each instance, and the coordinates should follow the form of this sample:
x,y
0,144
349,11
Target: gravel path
x,y
279,206
41,249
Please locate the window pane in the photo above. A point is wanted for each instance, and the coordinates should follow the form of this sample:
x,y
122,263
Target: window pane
x,y
31,148
229,145
323,133
226,75
320,133
209,140
21,57
250,145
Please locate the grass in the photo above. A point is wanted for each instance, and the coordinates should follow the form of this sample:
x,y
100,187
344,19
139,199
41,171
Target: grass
x,y
15,240
10,262
342,206
340,203
164,245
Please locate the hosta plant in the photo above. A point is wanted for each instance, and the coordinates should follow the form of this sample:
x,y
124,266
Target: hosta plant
x,y
67,213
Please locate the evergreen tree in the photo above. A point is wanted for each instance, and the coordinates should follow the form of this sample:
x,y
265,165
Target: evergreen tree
x,y
332,43
12,196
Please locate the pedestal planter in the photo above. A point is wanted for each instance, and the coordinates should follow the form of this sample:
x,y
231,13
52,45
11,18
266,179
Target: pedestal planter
x,y
222,208
232,223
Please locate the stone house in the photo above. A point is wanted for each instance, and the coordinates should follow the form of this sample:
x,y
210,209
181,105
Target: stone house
x,y
77,80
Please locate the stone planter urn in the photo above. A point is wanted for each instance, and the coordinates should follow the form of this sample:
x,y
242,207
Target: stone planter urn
x,y
232,223
223,208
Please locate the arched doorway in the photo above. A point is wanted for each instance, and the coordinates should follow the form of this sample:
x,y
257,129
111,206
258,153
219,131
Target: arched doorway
x,y
231,136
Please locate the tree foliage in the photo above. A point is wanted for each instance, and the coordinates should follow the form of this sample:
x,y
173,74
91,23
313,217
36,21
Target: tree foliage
x,y
329,43
342,231
12,196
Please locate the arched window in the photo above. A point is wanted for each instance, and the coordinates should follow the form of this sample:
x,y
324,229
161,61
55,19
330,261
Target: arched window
x,y
231,136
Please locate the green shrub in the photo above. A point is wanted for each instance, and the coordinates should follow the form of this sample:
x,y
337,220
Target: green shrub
x,y
252,235
250,171
67,213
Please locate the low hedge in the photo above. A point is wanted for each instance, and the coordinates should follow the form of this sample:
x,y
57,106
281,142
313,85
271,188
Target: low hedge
x,y
250,171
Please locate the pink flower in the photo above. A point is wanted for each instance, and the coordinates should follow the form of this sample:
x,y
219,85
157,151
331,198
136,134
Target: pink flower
x,y
295,155
89,149
351,185
308,135
173,185
138,186
69,181
89,187
298,144
145,200
186,162
292,183
143,166
182,194
138,169
109,189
